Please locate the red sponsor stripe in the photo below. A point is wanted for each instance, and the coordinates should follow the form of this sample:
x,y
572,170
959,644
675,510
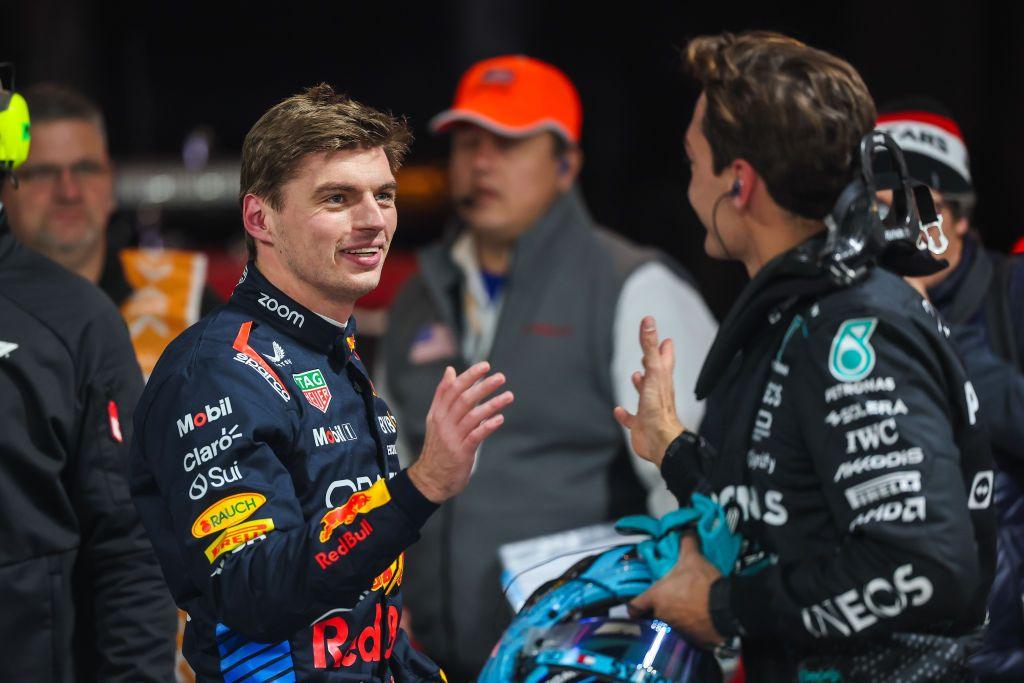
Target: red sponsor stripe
x,y
242,346
115,422
946,124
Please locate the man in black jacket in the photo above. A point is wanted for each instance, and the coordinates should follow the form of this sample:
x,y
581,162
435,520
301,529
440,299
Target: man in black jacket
x,y
854,466
982,296
83,597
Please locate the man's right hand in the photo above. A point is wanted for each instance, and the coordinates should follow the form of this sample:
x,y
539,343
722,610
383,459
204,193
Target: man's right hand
x,y
655,424
457,423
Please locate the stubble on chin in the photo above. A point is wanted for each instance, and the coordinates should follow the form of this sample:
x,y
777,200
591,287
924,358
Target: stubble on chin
x,y
70,253
330,279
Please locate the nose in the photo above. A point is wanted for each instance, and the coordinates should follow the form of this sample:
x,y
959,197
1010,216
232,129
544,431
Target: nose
x,y
484,153
369,215
68,188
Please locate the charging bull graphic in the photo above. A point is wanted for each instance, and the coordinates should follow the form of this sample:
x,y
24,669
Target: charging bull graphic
x,y
358,503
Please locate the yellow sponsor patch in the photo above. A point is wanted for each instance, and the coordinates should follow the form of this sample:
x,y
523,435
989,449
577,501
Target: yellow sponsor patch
x,y
238,535
227,512
390,578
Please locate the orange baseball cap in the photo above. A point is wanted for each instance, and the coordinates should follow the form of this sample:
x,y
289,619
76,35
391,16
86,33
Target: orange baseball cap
x,y
515,96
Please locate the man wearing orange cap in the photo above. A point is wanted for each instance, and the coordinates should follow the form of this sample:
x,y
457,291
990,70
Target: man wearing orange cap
x,y
524,279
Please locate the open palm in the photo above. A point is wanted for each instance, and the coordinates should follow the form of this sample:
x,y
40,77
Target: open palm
x,y
655,423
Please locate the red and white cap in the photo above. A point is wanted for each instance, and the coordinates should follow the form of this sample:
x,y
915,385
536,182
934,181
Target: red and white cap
x,y
932,144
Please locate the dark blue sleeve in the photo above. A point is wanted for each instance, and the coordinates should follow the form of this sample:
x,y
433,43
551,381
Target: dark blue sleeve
x,y
263,567
132,619
1000,388
1015,302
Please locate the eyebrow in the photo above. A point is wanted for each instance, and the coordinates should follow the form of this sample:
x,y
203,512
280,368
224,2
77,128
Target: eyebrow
x,y
338,187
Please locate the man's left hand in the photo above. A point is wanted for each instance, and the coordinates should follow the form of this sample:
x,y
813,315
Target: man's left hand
x,y
680,598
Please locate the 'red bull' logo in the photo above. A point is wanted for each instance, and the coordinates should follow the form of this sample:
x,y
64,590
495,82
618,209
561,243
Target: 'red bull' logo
x,y
346,542
358,503
332,634
390,578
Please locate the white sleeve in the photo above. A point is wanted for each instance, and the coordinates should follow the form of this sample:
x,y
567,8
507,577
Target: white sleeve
x,y
653,289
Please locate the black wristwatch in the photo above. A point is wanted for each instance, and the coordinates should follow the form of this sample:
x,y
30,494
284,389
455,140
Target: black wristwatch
x,y
683,464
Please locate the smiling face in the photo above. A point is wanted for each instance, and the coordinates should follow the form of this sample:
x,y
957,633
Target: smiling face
x,y
335,223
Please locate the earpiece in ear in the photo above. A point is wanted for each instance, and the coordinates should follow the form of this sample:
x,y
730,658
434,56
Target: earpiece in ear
x,y
563,165
736,187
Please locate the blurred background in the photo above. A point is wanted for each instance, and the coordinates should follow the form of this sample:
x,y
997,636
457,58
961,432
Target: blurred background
x,y
181,83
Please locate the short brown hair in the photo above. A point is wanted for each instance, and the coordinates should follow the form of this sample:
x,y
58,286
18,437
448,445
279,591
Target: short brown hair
x,y
316,120
48,102
797,114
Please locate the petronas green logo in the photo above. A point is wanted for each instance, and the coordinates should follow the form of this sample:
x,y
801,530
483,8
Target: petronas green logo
x,y
852,357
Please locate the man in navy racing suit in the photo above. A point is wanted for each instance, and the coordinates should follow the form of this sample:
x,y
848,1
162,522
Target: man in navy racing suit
x,y
266,468
981,294
852,463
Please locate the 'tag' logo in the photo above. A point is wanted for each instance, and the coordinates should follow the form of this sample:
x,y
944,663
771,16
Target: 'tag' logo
x,y
314,388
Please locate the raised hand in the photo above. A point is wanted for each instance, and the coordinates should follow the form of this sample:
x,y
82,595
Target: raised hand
x,y
457,423
655,424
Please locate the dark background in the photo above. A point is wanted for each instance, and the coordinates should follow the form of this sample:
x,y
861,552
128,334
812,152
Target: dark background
x,y
159,70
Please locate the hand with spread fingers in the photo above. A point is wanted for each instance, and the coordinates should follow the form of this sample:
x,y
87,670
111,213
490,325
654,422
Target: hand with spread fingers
x,y
681,597
457,423
655,424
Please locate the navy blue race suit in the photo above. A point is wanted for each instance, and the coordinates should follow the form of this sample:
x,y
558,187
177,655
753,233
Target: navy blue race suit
x,y
983,298
266,472
853,465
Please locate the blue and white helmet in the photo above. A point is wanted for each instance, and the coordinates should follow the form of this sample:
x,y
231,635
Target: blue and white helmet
x,y
564,633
